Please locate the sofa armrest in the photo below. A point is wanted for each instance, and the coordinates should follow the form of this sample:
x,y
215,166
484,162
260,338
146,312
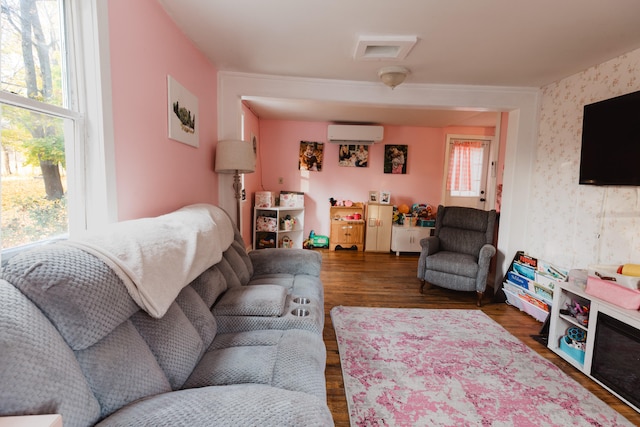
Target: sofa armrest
x,y
280,260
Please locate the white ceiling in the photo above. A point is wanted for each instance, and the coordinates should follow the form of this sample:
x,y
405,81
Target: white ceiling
x,y
462,42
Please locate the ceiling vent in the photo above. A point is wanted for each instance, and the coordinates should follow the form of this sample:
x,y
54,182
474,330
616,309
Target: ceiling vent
x,y
380,48
355,134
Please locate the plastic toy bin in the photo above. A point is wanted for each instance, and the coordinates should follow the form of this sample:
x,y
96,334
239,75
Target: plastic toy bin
x,y
574,353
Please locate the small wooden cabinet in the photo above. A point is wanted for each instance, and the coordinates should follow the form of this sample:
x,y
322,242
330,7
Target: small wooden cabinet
x,y
407,239
347,227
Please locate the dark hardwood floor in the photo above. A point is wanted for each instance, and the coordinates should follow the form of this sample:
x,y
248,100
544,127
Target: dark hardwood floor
x,y
368,279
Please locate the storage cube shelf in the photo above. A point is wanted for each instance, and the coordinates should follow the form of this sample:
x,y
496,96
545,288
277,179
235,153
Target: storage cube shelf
x,y
278,227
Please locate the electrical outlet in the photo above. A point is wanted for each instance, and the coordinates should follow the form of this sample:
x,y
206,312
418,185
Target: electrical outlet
x,y
280,180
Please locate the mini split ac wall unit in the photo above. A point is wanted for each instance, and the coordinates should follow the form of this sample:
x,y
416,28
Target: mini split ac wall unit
x,y
355,134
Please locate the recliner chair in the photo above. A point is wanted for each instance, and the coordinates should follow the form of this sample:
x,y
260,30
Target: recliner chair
x,y
457,256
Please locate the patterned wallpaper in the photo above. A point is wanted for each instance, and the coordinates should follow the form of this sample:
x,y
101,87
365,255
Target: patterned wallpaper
x,y
576,225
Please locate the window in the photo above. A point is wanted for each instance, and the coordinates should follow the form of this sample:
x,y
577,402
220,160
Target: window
x,y
466,172
465,168
49,170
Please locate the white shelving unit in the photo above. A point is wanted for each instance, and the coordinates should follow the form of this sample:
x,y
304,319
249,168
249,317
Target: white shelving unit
x,y
567,292
275,232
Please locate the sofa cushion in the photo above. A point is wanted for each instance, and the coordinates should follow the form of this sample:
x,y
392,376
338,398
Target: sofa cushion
x,y
238,258
38,371
290,359
210,285
199,314
229,273
463,241
120,368
173,340
80,294
234,405
453,263
265,300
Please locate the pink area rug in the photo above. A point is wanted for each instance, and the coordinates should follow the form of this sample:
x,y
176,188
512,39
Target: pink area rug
x,y
413,367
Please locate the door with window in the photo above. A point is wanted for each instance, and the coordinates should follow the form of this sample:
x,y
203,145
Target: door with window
x,y
467,168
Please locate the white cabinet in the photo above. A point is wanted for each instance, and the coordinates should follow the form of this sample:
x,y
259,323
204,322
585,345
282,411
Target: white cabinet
x,y
278,227
407,239
379,220
563,322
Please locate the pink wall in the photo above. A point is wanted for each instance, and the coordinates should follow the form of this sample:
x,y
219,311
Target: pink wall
x,y
155,174
280,142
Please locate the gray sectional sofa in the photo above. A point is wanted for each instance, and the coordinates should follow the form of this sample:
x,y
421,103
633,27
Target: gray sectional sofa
x,y
241,344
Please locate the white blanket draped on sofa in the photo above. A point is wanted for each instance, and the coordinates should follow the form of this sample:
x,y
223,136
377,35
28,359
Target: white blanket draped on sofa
x,y
157,257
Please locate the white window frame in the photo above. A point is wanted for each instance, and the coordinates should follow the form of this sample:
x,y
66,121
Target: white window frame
x,y
90,75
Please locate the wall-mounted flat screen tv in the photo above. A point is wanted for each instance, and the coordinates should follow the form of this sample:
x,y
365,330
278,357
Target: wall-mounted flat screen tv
x,y
610,152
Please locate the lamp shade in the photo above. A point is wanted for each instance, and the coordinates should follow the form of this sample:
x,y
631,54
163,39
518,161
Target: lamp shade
x,y
232,156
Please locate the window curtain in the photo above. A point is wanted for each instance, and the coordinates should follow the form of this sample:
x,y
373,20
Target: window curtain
x,y
461,155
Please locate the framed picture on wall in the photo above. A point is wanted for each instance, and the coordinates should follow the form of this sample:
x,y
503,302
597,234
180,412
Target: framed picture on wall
x,y
183,114
373,197
395,159
385,197
354,155
254,142
310,156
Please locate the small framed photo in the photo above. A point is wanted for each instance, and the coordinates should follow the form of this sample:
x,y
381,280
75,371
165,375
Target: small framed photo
x,y
385,197
373,197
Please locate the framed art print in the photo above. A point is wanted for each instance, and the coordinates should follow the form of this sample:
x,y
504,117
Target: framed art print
x,y
354,155
395,159
310,156
183,113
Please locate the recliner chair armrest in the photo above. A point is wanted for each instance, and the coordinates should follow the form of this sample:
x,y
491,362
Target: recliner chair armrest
x,y
486,253
484,259
430,245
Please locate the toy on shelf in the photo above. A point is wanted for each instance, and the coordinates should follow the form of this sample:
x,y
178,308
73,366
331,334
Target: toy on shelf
x,y
579,311
576,338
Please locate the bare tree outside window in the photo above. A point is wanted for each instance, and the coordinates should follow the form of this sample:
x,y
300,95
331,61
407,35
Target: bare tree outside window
x,y
33,142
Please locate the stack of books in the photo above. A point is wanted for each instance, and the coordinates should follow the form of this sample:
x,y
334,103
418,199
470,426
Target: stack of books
x,y
530,282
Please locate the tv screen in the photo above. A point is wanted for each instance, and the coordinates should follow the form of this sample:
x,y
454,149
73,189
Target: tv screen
x,y
610,152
